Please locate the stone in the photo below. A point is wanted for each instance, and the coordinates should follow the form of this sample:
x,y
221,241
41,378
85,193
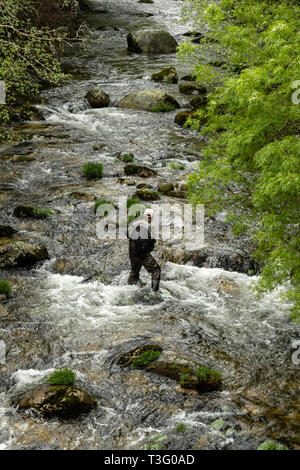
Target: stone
x,y
147,100
151,42
20,253
165,188
168,75
138,170
146,195
192,88
97,98
7,231
58,400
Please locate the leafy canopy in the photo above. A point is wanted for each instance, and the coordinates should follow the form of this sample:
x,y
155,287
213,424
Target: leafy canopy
x,y
251,164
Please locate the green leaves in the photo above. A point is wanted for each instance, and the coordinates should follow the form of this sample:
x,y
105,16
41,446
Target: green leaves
x,y
251,164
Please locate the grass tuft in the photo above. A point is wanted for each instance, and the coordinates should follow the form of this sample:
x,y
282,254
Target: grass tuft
x,y
62,377
92,171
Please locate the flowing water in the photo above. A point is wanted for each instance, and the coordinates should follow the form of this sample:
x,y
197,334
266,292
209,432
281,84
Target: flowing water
x,y
200,316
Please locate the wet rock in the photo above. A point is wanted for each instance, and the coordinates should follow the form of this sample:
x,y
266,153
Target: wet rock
x,y
168,75
7,231
189,78
21,253
140,356
183,116
198,102
26,112
166,188
151,42
85,5
82,196
58,400
22,158
97,98
146,195
177,194
138,170
192,88
147,100
203,379
25,212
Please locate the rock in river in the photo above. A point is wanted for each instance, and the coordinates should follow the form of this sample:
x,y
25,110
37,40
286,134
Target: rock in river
x,y
147,100
151,42
58,400
97,98
20,253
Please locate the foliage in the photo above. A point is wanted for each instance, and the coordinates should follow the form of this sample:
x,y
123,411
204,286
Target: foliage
x,y
271,445
163,108
40,212
92,170
5,288
126,158
251,164
32,34
217,424
62,377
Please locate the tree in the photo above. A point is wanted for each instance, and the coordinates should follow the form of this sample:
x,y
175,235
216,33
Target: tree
x,y
251,164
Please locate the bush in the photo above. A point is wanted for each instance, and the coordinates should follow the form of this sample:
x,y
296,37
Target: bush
x,y
126,158
163,108
5,288
92,171
62,377
181,427
207,374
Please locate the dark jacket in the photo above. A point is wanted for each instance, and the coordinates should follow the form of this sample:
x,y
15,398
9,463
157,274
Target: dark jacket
x,y
140,241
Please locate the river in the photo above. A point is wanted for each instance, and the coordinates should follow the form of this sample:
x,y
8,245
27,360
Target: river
x,y
204,315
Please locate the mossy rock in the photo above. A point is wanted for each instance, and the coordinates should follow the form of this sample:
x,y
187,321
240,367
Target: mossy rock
x,y
177,194
58,400
82,196
146,195
203,379
97,98
165,188
183,116
26,212
141,356
23,254
6,231
137,170
151,42
198,102
192,88
168,75
149,100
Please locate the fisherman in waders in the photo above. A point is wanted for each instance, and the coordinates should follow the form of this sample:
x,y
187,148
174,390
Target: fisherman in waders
x,y
140,246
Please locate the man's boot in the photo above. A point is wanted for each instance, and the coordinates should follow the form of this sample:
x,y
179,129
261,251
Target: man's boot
x,y
155,285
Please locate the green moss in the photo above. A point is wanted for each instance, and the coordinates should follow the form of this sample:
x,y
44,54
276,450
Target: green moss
x,y
217,424
92,171
144,359
141,356
5,288
207,374
61,377
176,166
163,108
181,427
126,158
188,381
272,445
100,202
40,212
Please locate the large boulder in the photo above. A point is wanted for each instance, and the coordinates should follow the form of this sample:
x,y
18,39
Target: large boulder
x,y
97,98
151,42
147,100
20,253
58,400
146,195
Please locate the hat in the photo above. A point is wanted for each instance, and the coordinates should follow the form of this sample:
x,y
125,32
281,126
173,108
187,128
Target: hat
x,y
148,212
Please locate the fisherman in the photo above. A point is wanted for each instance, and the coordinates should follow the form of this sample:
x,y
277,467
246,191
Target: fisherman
x,y
140,246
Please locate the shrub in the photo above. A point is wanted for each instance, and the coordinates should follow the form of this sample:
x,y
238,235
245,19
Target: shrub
x,y
62,377
163,108
126,158
207,374
92,171
5,288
